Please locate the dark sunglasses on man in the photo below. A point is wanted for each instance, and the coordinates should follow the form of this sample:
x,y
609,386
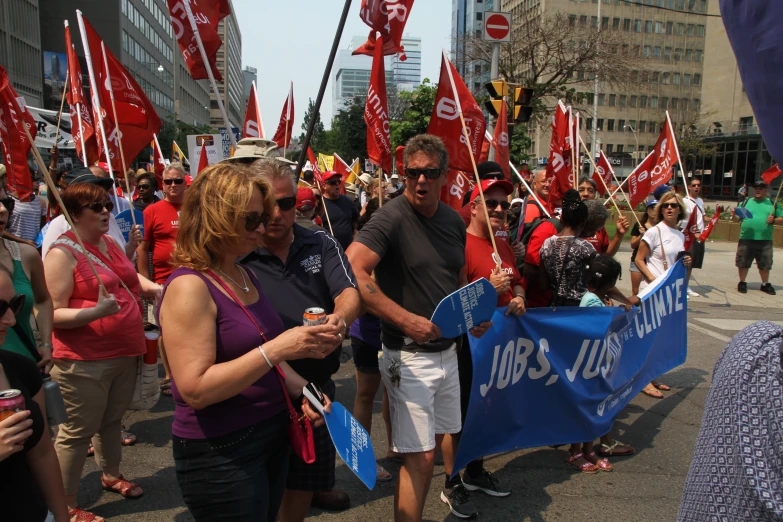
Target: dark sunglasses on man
x,y
492,204
144,186
286,203
178,181
332,182
15,305
98,206
428,173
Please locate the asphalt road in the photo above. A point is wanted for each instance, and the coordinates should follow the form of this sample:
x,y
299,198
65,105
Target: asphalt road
x,y
646,486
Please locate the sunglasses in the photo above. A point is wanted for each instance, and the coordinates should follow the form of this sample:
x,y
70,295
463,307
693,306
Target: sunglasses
x,y
15,305
178,181
428,173
9,204
330,182
253,220
144,186
670,205
695,186
98,206
492,204
286,203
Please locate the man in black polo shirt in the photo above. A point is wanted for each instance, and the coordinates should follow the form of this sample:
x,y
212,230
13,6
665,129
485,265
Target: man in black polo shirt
x,y
300,269
343,214
416,246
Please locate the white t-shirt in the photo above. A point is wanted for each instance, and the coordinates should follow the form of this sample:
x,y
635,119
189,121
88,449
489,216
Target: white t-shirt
x,y
673,244
690,206
59,226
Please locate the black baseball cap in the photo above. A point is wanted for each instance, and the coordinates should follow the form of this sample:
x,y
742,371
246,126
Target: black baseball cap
x,y
759,183
490,170
85,175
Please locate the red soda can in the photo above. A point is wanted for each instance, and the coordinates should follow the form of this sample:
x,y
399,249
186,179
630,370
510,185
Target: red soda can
x,y
314,316
11,401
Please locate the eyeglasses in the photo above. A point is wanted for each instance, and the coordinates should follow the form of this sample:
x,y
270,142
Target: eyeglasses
x,y
15,305
286,203
178,181
670,205
144,186
98,206
428,173
332,182
492,204
9,204
253,220
696,186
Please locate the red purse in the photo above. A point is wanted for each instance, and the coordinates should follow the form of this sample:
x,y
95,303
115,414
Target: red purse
x,y
300,431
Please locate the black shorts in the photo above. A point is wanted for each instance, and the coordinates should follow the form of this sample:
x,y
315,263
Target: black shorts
x,y
318,476
697,254
365,356
749,250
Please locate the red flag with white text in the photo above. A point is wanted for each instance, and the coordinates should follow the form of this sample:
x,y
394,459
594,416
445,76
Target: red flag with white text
x,y
453,192
452,96
207,14
286,126
500,140
203,160
603,176
316,171
387,17
376,116
771,173
15,143
558,165
713,221
691,229
656,169
253,127
82,128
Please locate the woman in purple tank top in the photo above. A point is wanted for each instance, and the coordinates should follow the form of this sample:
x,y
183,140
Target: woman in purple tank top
x,y
230,416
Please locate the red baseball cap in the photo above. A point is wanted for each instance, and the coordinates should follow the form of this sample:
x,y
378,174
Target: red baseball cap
x,y
487,183
305,197
329,174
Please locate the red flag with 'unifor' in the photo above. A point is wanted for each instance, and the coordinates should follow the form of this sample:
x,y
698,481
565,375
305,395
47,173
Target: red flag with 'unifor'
x,y
558,165
771,173
691,229
656,169
14,140
452,97
500,140
376,115
286,126
203,160
253,127
207,14
453,192
387,17
82,128
603,176
713,221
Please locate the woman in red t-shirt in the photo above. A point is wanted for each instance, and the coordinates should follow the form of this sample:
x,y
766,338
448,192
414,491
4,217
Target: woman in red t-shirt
x,y
97,339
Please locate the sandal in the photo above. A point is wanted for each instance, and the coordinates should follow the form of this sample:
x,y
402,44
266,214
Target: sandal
x,y
165,387
587,467
123,487
90,450
381,475
80,515
128,438
660,386
601,464
616,449
652,391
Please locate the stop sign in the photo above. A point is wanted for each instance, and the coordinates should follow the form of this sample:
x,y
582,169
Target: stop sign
x,y
497,27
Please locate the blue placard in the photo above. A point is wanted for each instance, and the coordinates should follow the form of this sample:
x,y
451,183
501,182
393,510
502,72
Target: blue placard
x,y
743,213
352,443
470,305
227,140
125,221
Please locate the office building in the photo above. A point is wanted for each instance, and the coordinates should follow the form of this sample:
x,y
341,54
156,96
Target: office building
x,y
467,21
407,73
20,50
249,75
229,63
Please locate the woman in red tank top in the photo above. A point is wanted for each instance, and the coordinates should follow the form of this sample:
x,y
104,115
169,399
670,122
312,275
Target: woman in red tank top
x,y
97,339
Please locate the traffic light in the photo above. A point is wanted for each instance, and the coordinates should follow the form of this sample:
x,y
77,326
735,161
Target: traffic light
x,y
498,89
523,104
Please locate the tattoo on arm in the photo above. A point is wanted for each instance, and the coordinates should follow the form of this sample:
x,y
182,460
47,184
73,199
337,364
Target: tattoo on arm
x,y
371,288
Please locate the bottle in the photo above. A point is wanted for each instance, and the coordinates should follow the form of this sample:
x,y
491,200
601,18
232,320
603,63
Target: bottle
x,y
55,406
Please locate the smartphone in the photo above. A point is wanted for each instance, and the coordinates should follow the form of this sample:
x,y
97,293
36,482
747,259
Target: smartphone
x,y
681,254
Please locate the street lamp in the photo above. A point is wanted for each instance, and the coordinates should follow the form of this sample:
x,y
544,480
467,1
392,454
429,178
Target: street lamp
x,y
635,139
145,65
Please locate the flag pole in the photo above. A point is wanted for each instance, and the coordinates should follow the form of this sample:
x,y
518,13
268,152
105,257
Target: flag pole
x,y
326,211
574,147
208,66
529,190
322,89
677,150
465,134
62,104
774,203
54,190
380,187
258,114
79,111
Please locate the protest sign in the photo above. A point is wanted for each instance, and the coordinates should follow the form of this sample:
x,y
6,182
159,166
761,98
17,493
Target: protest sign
x,y
558,377
462,310
125,222
226,141
46,129
214,143
743,213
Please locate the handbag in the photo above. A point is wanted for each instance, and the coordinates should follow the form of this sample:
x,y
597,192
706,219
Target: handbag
x,y
300,431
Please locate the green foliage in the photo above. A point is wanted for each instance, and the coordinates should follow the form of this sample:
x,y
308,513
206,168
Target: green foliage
x,y
348,135
319,134
417,108
520,143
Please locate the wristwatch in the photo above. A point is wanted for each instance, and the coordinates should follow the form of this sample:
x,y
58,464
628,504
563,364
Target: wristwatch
x,y
524,299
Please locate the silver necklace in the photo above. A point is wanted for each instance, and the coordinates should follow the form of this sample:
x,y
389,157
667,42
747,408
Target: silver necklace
x,y
243,286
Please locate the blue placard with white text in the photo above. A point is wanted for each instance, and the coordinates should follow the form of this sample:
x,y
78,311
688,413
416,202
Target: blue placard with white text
x,y
462,310
125,221
352,443
743,213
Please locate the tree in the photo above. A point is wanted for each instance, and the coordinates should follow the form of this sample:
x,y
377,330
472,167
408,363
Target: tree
x,y
416,108
348,135
520,144
318,131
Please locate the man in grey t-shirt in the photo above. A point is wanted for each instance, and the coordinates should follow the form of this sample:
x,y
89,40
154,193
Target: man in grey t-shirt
x,y
416,246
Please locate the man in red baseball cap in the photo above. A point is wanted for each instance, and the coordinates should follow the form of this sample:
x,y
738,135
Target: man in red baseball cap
x,y
305,208
343,214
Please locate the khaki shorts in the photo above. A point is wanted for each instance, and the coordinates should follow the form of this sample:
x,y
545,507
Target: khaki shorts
x,y
426,400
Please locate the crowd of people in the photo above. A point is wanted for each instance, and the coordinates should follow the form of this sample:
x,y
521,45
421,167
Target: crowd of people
x,y
226,267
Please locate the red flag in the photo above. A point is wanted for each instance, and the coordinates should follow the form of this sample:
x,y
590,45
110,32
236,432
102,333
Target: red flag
x,y
343,169
254,125
452,98
484,154
453,192
656,169
316,171
603,176
137,119
691,229
286,126
14,140
399,154
157,161
713,221
207,14
387,17
82,128
771,173
203,160
501,142
558,165
376,116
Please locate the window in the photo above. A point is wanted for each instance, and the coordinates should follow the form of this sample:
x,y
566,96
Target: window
x,y
626,24
643,102
689,30
659,27
697,55
600,124
696,104
583,20
666,78
621,125
612,100
642,126
688,55
477,68
684,104
619,148
641,148
610,125
623,100
647,26
632,125
655,77
697,79
657,51
680,29
637,26
615,23
669,28
633,102
590,98
675,103
745,123
664,103
686,79
589,123
699,30
605,22
479,16
609,148
478,33
630,149
572,20
647,51
677,54
667,53
654,102
580,75
645,77
594,22
676,79
601,99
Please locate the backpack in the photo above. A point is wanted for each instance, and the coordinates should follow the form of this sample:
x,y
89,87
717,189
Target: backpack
x,y
529,228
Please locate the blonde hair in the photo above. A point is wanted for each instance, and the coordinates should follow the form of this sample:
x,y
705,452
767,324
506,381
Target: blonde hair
x,y
211,216
665,199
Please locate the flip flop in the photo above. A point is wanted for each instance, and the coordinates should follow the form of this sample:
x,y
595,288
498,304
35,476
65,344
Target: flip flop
x,y
381,475
661,386
165,387
652,391
128,438
617,449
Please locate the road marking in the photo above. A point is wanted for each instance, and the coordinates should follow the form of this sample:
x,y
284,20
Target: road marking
x,y
732,325
712,334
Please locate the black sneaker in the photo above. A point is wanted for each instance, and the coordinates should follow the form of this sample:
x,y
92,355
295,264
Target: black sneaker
x,y
459,502
742,287
767,289
486,483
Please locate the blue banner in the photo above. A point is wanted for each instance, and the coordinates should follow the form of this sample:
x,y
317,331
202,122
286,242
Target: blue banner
x,y
562,376
352,443
125,221
460,311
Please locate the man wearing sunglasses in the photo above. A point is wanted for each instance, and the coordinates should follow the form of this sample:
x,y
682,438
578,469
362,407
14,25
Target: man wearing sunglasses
x,y
415,245
693,203
146,184
343,214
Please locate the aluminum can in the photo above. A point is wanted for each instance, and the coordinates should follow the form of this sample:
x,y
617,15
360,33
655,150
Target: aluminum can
x,y
11,401
314,316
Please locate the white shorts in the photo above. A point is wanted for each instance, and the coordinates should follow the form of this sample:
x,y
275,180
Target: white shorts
x,y
425,401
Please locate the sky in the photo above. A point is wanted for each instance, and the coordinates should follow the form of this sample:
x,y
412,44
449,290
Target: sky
x,y
290,40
